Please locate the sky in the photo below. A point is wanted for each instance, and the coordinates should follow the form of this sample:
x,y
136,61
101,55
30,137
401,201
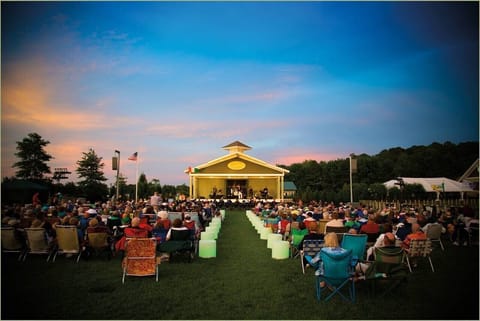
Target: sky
x,y
177,81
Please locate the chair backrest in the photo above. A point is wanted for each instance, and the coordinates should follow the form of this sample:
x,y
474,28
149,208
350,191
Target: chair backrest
x,y
67,239
392,255
180,235
174,215
434,231
335,229
336,264
140,247
115,221
140,256
135,232
420,247
36,240
312,247
10,240
355,242
297,236
98,240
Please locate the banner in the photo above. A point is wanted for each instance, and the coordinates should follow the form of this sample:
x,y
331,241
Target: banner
x,y
353,165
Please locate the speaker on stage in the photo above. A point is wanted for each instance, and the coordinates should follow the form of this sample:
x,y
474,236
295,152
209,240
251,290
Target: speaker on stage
x,y
114,163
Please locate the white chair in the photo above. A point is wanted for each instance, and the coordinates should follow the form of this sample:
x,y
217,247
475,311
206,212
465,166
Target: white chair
x,y
434,233
417,249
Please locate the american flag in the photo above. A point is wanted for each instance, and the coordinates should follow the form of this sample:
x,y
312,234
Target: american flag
x,y
133,157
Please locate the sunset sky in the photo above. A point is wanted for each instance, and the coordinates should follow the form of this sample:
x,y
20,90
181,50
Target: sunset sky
x,y
176,81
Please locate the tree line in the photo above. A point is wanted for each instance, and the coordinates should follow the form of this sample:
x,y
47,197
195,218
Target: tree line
x,y
324,180
32,167
330,180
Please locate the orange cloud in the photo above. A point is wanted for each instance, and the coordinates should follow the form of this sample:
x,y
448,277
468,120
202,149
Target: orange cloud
x,y
301,157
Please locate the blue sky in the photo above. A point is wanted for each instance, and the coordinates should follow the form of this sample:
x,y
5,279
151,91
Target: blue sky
x,y
176,81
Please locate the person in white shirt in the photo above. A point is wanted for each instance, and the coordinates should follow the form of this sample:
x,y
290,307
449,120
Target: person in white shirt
x,y
155,199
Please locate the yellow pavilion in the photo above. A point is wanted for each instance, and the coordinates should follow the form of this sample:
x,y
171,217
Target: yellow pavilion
x,y
236,176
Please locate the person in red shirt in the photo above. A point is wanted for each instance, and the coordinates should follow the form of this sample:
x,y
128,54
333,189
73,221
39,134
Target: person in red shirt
x,y
370,227
417,234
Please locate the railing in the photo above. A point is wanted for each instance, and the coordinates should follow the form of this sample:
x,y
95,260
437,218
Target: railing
x,y
441,204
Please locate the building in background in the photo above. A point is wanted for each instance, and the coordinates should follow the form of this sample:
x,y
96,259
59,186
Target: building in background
x,y
236,176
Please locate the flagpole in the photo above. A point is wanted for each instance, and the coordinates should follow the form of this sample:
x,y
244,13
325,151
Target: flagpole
x,y
136,181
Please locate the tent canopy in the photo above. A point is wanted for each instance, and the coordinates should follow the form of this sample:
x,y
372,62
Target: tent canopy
x,y
433,184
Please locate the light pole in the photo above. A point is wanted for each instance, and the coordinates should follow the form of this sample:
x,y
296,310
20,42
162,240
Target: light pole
x,y
352,164
118,172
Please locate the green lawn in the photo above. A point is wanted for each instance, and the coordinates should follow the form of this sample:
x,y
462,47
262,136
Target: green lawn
x,y
242,282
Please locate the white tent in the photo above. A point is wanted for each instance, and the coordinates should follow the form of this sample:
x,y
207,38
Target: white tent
x,y
434,184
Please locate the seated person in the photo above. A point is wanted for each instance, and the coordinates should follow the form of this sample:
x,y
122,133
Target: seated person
x,y
384,240
417,234
336,221
177,226
331,244
312,234
371,227
95,227
159,232
133,231
403,229
309,221
317,213
73,221
283,224
191,226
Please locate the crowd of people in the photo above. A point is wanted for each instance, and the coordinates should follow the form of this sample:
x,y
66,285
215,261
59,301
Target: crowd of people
x,y
146,218
150,218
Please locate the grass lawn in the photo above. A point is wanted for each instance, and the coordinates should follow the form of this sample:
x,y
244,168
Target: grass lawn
x,y
242,282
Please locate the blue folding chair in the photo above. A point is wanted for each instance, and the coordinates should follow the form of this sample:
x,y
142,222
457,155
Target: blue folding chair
x,y
336,271
358,244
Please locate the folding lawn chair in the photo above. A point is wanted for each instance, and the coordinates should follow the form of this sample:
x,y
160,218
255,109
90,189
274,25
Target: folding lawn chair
x,y
337,273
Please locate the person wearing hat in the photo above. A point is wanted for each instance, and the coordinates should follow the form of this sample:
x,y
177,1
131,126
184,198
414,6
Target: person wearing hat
x,y
161,227
85,218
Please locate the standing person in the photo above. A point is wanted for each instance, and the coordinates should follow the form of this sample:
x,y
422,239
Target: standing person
x,y
214,192
36,199
155,199
265,192
207,213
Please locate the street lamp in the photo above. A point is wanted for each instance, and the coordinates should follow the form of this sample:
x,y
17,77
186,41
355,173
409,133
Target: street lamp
x,y
353,168
118,172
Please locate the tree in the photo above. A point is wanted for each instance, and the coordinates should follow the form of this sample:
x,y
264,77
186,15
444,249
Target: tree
x,y
182,189
154,186
90,169
142,186
34,158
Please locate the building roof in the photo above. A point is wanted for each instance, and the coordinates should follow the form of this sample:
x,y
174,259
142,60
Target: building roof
x,y
289,186
433,184
236,150
236,147
236,144
471,174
